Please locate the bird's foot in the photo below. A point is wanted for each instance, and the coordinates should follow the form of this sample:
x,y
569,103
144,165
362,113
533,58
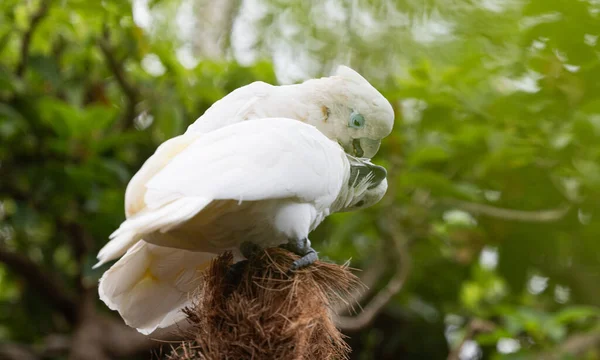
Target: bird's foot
x,y
249,249
302,248
235,272
306,260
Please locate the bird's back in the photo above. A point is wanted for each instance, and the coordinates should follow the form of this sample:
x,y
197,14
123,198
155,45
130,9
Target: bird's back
x,y
230,109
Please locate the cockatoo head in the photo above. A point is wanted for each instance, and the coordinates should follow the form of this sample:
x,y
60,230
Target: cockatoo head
x,y
355,113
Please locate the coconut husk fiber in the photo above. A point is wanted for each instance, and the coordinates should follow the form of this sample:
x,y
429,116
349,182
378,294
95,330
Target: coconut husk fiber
x,y
267,312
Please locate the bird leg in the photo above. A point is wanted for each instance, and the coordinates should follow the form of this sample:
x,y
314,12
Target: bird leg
x,y
301,247
235,271
249,249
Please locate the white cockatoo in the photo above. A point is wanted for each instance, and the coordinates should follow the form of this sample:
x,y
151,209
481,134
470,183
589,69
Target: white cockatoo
x,y
267,182
345,107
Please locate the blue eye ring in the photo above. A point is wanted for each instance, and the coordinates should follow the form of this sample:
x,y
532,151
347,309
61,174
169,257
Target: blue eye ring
x,y
357,121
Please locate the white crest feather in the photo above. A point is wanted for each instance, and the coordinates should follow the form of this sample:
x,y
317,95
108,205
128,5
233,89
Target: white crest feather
x,y
349,74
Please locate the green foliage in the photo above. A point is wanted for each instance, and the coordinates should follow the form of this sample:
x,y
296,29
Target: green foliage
x,y
500,108
493,162
68,145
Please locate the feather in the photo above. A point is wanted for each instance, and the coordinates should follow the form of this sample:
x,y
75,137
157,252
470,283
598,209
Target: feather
x,y
235,107
150,285
264,181
149,220
136,189
281,158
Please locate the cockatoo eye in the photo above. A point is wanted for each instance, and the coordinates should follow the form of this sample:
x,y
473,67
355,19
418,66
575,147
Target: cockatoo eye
x,y
356,120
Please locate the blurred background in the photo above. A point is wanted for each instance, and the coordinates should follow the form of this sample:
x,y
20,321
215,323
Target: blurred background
x,y
486,245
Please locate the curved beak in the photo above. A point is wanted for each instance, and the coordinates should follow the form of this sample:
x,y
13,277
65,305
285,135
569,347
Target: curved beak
x,y
357,148
365,147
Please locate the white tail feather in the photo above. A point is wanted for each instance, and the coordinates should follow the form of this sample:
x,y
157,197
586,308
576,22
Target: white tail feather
x,y
116,247
151,284
147,221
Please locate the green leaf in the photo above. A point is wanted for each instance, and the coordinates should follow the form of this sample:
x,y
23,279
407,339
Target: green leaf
x,y
576,313
437,183
427,154
71,122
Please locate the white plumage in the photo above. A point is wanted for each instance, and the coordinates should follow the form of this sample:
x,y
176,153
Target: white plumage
x,y
264,181
326,103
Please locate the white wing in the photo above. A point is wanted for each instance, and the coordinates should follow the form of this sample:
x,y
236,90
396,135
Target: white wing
x,y
229,110
123,239
150,285
136,189
254,160
249,161
232,108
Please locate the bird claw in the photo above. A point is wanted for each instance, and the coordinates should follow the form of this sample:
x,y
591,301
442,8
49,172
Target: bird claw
x,y
301,247
306,260
235,272
249,249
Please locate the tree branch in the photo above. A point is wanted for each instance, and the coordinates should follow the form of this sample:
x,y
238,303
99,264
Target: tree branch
x,y
36,18
576,345
399,240
80,241
232,15
116,67
51,288
369,278
100,337
473,328
510,214
10,351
